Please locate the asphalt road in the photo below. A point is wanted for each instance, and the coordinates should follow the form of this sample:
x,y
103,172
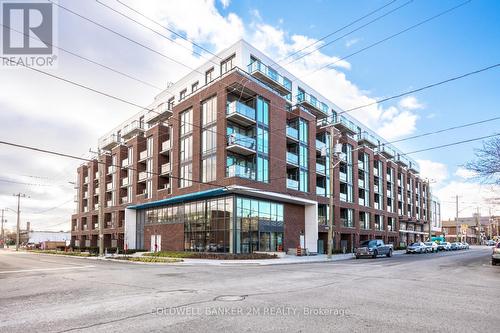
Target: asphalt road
x,y
454,291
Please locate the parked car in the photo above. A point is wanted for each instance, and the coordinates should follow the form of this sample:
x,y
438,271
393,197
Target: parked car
x,y
444,246
495,256
373,248
417,247
491,243
454,246
431,246
466,245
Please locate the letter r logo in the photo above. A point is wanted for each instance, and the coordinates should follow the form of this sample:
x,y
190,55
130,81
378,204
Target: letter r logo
x,y
27,28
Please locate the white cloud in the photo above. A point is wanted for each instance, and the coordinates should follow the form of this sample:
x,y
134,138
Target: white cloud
x,y
399,125
351,42
434,171
464,173
410,103
225,3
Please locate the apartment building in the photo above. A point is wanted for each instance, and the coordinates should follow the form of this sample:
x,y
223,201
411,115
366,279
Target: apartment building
x,y
234,158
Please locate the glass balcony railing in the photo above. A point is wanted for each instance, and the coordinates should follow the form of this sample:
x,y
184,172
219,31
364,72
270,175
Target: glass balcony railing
x,y
292,132
321,168
311,100
368,138
320,191
269,73
237,170
241,140
239,108
343,176
292,158
346,124
320,144
292,184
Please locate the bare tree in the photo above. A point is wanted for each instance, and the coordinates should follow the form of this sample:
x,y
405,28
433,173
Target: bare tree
x,y
487,162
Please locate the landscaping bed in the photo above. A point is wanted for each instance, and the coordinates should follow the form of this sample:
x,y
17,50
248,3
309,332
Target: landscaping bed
x,y
149,259
69,253
210,255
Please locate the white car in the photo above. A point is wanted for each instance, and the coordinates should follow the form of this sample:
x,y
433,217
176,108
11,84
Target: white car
x,y
417,247
444,246
431,246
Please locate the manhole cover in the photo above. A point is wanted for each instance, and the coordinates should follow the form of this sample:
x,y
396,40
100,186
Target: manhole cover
x,y
230,298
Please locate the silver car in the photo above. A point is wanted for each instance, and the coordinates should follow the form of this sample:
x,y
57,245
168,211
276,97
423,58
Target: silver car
x,y
444,246
431,246
417,247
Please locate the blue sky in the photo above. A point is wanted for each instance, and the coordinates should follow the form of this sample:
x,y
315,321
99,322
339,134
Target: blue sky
x,y
461,41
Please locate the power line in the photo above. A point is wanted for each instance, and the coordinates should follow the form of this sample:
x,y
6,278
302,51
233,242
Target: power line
x,y
452,144
328,66
445,130
350,32
27,184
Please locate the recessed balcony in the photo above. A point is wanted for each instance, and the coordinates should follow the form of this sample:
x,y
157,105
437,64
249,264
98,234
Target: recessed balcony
x,y
166,169
292,158
143,155
125,182
386,151
321,168
401,160
143,175
125,163
109,142
160,113
241,144
292,133
320,191
109,187
166,146
237,170
132,129
240,113
271,77
292,184
319,109
320,145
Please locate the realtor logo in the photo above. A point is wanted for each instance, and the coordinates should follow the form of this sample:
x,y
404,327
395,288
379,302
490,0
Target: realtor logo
x,y
27,28
27,34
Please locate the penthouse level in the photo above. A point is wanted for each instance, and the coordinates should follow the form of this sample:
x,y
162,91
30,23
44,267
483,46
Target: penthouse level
x,y
232,158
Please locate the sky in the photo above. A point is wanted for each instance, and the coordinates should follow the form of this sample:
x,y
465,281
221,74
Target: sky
x,y
40,111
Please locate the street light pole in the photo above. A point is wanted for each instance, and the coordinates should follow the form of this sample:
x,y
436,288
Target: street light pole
x,y
18,226
3,235
429,208
330,218
456,218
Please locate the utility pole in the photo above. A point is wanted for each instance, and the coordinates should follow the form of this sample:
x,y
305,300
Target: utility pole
x,y
456,218
3,235
18,226
429,208
101,166
477,227
330,218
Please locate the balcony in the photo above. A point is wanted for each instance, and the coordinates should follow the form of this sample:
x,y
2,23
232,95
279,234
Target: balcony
x,y
96,206
241,144
401,160
165,169
236,170
240,113
85,209
320,168
143,175
124,200
166,146
343,177
345,125
320,191
109,203
85,195
292,184
125,163
85,227
160,113
319,109
292,133
361,183
132,129
125,182
86,180
413,166
292,158
368,139
111,169
386,151
109,142
270,77
320,145
143,155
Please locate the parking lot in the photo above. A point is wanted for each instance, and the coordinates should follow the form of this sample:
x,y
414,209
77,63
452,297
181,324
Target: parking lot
x,y
61,294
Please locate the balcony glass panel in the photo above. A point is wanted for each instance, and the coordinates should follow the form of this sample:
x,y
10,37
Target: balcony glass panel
x,y
236,170
292,184
292,132
321,168
240,108
292,158
257,66
320,191
241,140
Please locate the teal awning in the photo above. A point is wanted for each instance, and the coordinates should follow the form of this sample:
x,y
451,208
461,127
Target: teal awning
x,y
181,198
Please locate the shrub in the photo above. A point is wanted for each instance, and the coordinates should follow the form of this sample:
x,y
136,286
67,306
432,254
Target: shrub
x,y
150,259
210,255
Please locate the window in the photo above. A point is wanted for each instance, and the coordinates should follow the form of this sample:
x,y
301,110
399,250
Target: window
x,y
186,148
186,122
186,175
227,65
170,103
209,111
194,86
182,94
209,168
209,140
209,75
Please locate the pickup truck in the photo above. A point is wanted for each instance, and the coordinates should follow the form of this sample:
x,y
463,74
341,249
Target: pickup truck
x,y
373,248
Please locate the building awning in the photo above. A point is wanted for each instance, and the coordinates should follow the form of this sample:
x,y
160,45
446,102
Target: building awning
x,y
180,198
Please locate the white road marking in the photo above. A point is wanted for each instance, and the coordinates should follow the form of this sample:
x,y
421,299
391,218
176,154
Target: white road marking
x,y
45,269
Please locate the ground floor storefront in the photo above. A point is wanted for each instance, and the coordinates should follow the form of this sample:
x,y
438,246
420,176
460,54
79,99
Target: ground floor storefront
x,y
220,222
